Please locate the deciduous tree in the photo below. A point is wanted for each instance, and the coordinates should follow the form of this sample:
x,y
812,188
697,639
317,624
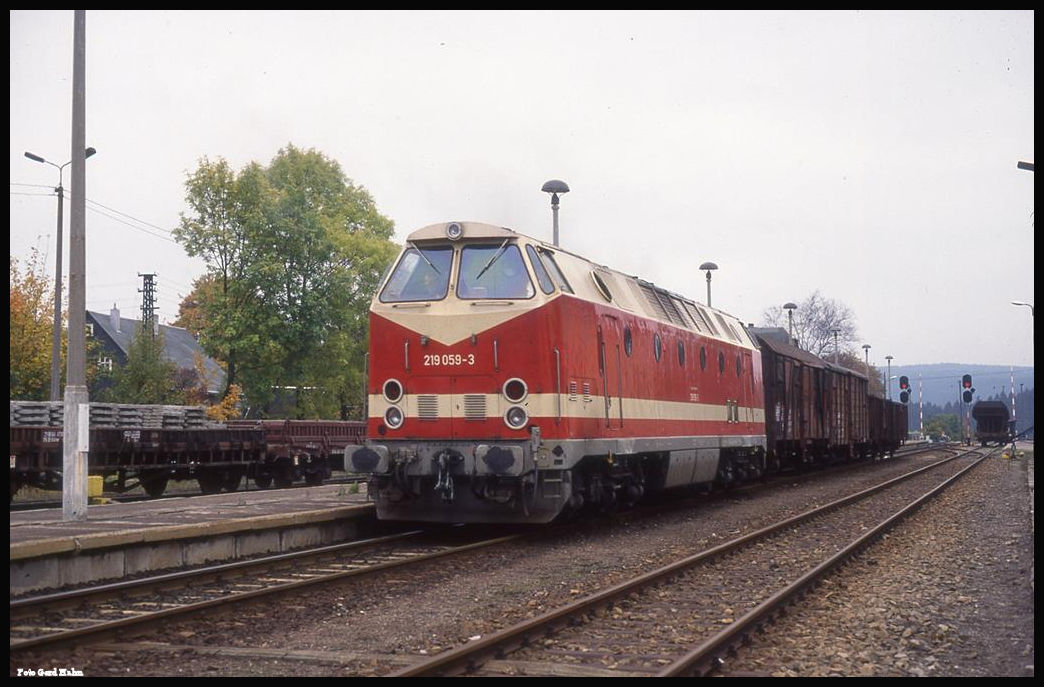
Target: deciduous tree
x,y
32,326
295,251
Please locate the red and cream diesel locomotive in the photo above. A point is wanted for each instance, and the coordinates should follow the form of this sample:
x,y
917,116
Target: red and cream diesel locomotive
x,y
510,380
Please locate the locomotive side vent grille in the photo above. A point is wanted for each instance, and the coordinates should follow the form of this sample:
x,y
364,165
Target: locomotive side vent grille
x,y
572,390
474,406
587,392
428,407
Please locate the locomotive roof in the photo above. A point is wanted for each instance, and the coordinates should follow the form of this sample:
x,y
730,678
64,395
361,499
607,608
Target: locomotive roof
x,y
590,281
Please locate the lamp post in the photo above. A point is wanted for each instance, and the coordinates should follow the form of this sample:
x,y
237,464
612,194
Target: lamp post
x,y
866,350
56,337
888,391
837,356
1028,305
709,267
790,308
555,187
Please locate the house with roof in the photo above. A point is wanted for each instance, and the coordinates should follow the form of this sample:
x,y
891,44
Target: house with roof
x,y
115,334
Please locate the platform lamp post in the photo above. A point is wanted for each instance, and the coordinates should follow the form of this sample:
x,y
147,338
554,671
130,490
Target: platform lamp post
x,y
56,337
555,187
888,390
837,355
790,308
709,267
1028,305
866,350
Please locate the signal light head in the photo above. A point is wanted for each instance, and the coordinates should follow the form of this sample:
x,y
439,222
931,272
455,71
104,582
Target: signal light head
x,y
966,381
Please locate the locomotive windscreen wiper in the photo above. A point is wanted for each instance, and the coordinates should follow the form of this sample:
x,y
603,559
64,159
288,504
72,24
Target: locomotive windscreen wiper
x,y
500,251
412,245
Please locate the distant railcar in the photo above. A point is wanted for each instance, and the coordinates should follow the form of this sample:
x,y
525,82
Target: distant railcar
x,y
149,445
992,423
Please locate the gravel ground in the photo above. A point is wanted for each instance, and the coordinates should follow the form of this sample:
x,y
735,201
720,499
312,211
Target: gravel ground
x,y
950,594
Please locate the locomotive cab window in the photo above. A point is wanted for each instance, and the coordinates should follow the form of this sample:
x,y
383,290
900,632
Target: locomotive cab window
x,y
543,278
548,260
493,271
420,275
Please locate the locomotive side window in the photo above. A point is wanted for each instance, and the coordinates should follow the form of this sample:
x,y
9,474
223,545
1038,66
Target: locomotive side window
x,y
739,365
657,347
721,362
628,342
681,353
493,272
548,260
546,285
703,357
419,276
601,286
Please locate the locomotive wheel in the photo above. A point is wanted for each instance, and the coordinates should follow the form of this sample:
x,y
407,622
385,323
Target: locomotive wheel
x,y
284,473
153,484
231,480
15,484
210,481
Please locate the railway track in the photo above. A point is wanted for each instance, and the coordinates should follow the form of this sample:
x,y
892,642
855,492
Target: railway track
x,y
90,613
682,618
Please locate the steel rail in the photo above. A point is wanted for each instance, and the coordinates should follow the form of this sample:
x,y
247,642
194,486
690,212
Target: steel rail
x,y
109,626
705,657
466,658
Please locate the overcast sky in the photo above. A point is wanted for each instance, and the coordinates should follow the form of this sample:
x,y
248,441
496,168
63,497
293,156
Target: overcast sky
x,y
868,155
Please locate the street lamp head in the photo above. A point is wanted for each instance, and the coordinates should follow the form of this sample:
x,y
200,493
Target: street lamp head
x,y
708,266
555,187
34,158
790,306
1028,305
90,151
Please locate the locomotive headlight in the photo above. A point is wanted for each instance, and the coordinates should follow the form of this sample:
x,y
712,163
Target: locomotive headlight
x,y
454,230
393,417
516,417
515,390
392,391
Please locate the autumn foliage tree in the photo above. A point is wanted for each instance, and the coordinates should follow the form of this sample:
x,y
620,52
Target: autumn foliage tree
x,y
32,325
294,252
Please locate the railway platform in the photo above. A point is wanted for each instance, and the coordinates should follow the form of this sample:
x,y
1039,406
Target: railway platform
x,y
118,540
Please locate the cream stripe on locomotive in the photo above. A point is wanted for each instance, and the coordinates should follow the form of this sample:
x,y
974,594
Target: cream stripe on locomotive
x,y
489,406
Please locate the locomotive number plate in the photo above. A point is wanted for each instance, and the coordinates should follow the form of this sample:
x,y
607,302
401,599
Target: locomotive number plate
x,y
449,360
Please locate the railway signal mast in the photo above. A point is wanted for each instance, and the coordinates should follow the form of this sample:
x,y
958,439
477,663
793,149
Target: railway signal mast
x,y
904,389
966,395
